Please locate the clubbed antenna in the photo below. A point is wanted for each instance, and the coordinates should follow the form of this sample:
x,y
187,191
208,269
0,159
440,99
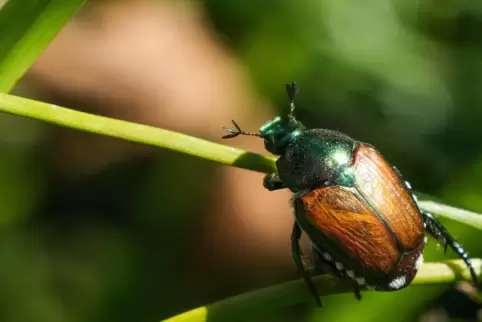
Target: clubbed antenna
x,y
292,90
238,131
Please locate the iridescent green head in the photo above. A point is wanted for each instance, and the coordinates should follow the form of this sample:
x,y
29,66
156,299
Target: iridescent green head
x,y
277,132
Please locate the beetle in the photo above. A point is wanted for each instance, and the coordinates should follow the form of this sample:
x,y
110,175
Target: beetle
x,y
359,213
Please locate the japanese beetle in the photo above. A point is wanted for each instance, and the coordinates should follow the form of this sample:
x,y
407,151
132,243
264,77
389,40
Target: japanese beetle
x,y
360,215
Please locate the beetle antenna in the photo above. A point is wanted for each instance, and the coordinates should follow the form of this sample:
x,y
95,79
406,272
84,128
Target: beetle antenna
x,y
238,131
292,89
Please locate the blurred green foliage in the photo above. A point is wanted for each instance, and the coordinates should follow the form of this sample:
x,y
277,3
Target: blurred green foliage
x,y
403,76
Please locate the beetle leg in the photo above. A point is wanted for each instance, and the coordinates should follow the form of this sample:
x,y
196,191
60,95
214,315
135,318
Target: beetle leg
x,y
438,231
273,182
296,253
356,290
320,266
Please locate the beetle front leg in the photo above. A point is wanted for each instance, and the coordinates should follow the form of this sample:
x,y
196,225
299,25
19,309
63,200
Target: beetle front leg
x,y
438,231
273,182
296,253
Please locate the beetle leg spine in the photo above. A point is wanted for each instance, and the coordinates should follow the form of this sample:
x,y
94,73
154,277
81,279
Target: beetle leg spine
x,y
438,231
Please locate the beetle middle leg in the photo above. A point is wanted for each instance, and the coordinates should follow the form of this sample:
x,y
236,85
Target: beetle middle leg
x,y
320,267
356,291
438,231
296,253
273,182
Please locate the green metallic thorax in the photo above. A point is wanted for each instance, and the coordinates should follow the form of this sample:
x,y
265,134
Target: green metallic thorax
x,y
309,158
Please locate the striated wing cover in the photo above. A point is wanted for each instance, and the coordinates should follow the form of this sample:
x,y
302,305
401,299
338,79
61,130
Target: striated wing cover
x,y
342,217
379,184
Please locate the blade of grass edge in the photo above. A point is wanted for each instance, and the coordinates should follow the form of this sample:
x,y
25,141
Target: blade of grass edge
x,y
26,29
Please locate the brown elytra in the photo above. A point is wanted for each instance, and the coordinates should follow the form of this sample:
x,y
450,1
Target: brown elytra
x,y
338,214
378,183
346,216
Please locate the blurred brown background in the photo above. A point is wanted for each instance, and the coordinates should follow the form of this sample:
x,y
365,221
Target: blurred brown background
x,y
96,229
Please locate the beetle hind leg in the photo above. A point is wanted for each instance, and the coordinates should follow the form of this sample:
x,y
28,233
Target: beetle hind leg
x,y
438,231
297,258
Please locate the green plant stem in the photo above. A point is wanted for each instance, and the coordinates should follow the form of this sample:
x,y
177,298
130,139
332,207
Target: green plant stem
x,y
294,292
136,133
179,142
26,29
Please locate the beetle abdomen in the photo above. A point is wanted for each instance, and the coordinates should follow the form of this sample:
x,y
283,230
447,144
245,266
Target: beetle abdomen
x,y
349,227
382,188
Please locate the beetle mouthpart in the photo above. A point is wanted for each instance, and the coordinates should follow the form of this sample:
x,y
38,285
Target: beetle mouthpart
x,y
397,283
360,280
339,266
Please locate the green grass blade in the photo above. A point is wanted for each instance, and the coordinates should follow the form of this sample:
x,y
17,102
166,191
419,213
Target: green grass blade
x,y
463,216
271,298
26,29
136,133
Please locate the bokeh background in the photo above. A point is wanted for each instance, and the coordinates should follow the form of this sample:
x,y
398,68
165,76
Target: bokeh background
x,y
96,229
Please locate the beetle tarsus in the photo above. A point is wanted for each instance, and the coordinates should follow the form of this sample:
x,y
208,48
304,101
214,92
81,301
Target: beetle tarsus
x,y
273,182
356,291
296,253
438,231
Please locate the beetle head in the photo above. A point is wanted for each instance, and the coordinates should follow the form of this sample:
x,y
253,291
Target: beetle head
x,y
278,132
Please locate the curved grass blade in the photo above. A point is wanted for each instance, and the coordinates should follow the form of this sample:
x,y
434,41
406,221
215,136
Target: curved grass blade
x,y
26,29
